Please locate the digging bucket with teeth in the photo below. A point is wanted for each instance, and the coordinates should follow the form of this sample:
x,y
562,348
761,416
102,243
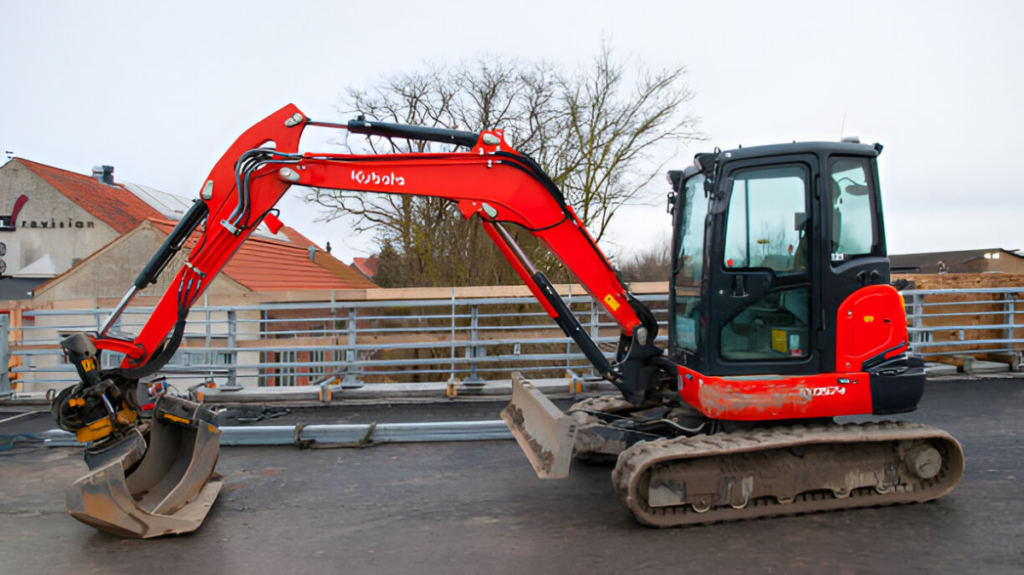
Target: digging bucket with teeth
x,y
165,488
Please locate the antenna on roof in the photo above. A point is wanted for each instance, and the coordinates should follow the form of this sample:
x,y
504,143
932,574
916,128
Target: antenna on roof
x,y
10,154
842,128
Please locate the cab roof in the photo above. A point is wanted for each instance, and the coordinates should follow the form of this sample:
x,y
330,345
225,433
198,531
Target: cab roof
x,y
821,148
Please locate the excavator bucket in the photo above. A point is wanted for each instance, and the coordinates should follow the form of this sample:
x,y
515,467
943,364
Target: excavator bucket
x,y
171,489
544,433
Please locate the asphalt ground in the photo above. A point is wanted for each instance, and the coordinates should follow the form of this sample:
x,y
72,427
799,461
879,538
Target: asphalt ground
x,y
478,508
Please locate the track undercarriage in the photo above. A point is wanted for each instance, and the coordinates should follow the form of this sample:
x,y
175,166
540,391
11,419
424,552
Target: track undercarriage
x,y
674,468
785,470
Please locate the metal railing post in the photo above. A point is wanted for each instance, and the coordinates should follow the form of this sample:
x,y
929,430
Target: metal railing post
x,y
568,344
5,356
917,307
207,356
1015,356
232,343
474,335
1010,305
352,371
595,327
333,329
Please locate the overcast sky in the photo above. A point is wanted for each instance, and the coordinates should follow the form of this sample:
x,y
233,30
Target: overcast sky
x,y
160,89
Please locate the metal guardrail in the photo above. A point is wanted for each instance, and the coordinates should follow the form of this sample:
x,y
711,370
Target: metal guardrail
x,y
435,339
961,323
354,342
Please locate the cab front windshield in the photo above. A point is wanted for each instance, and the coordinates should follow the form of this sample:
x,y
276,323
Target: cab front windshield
x,y
689,264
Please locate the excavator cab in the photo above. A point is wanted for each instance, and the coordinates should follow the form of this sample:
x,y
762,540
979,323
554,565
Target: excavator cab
x,y
768,243
755,227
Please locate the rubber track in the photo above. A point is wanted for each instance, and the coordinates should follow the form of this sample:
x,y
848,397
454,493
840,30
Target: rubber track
x,y
630,473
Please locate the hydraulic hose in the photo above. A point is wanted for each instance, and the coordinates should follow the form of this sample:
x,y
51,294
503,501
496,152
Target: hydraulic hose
x,y
157,362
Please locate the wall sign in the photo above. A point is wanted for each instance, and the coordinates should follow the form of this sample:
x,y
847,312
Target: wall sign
x,y
52,223
10,223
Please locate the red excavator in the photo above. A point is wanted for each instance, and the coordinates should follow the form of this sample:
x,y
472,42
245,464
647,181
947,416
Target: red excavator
x,y
781,319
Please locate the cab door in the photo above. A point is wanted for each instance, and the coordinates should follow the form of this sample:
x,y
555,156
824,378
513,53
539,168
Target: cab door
x,y
762,270
856,257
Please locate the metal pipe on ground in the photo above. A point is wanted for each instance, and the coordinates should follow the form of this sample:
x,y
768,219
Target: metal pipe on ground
x,y
347,435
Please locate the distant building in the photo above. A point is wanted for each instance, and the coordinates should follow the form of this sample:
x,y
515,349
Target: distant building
x,y
366,266
50,219
72,236
994,260
264,263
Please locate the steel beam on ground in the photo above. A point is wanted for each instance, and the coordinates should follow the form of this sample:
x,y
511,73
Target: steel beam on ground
x,y
325,435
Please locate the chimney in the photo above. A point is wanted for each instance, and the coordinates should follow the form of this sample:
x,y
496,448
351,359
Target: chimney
x,y
105,174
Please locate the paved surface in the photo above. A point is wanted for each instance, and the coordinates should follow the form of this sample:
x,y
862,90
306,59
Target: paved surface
x,y
478,508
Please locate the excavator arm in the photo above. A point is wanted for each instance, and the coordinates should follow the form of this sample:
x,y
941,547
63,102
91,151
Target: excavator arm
x,y
149,487
491,181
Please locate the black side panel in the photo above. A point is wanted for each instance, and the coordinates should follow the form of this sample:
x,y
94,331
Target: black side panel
x,y
897,385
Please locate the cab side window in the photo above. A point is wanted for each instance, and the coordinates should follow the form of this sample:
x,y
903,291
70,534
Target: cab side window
x,y
767,226
854,230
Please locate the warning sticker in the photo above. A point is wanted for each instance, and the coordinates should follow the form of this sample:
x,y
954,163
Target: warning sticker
x,y
779,341
612,303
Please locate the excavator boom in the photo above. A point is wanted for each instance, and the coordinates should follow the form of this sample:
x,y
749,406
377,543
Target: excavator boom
x,y
491,181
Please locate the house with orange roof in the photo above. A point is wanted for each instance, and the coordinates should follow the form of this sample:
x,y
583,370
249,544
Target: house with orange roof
x,y
265,263
72,236
51,219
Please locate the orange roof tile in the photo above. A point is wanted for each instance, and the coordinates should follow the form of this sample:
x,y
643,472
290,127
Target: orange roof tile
x,y
346,273
297,238
268,265
113,205
326,260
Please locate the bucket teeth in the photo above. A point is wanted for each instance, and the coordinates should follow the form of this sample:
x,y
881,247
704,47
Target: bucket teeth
x,y
545,434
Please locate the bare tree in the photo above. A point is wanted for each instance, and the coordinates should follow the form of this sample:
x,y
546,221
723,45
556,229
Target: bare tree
x,y
612,131
594,132
650,263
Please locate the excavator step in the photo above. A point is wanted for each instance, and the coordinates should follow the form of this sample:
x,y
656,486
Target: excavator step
x,y
170,491
786,470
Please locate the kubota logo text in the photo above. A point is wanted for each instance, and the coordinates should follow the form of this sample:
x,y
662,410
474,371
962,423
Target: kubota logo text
x,y
375,178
